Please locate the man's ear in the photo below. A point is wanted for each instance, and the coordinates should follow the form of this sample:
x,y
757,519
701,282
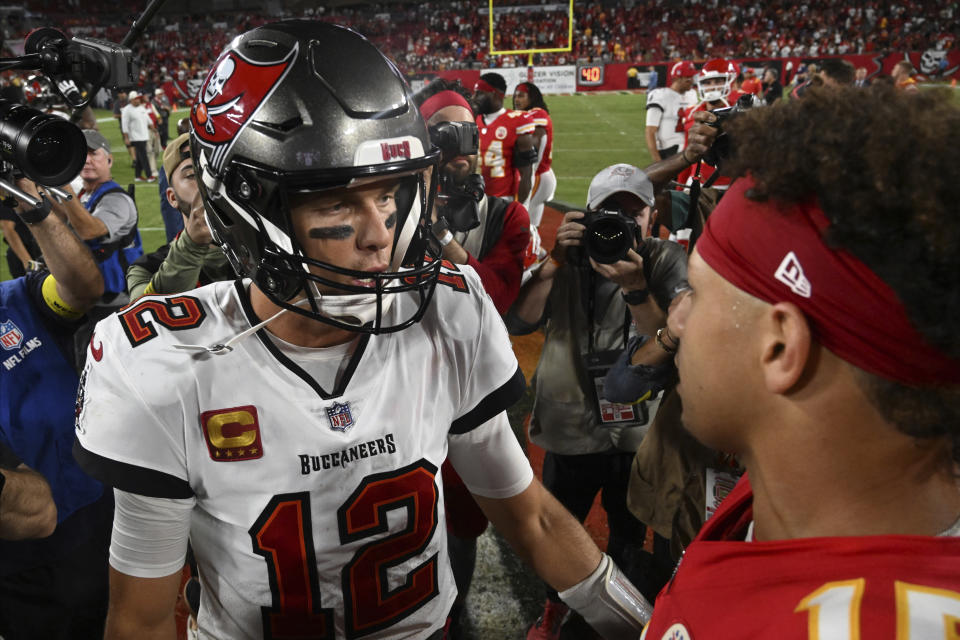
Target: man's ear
x,y
786,346
172,198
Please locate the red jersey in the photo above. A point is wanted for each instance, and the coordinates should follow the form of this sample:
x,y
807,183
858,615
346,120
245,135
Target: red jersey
x,y
542,119
877,587
497,140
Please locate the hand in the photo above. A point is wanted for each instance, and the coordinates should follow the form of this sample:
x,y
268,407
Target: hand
x,y
196,223
626,273
569,234
700,137
30,187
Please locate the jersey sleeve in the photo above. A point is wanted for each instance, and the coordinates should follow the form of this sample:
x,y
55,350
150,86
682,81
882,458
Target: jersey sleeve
x,y
525,123
489,459
129,425
540,118
489,376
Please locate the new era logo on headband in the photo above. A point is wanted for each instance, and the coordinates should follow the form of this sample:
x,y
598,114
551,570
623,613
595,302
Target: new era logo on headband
x,y
790,273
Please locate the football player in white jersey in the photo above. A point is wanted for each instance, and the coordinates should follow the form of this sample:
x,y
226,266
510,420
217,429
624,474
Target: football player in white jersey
x,y
291,424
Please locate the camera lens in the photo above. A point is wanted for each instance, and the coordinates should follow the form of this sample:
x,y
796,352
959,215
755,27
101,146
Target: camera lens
x,y
47,149
608,238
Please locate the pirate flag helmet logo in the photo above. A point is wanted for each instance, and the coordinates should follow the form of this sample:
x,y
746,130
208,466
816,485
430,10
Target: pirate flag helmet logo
x,y
294,108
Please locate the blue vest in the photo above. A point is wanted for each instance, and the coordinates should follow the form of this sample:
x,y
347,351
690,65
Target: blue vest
x,y
112,259
38,391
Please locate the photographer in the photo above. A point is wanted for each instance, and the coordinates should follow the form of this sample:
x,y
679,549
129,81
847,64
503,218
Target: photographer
x,y
587,310
105,217
486,232
55,587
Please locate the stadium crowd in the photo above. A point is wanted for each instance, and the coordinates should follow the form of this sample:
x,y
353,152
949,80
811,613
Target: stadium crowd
x,y
450,35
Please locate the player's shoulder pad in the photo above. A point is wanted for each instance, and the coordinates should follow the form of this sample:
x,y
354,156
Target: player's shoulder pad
x,y
459,299
156,322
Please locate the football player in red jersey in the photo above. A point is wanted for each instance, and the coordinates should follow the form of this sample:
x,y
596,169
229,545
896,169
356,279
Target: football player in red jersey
x,y
715,90
828,360
527,97
507,149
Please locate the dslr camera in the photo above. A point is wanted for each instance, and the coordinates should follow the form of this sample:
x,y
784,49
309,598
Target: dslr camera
x,y
455,139
610,234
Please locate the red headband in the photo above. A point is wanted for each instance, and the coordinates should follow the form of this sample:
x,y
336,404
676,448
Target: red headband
x,y
483,85
443,99
776,252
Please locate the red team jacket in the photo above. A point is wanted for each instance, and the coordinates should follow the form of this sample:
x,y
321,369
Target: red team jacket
x,y
497,140
849,588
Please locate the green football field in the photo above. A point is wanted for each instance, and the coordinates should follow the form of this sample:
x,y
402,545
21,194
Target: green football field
x,y
591,132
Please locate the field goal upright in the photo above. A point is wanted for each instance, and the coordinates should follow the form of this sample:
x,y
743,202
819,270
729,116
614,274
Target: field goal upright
x,y
495,11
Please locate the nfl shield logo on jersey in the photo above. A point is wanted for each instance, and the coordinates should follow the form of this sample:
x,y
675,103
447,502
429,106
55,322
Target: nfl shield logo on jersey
x,y
340,416
10,336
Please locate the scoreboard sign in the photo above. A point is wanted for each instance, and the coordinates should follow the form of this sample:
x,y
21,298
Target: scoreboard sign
x,y
590,75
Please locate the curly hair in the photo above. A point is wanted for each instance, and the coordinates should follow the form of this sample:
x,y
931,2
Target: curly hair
x,y
536,96
881,164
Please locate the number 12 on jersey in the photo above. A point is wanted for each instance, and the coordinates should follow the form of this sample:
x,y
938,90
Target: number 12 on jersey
x,y
283,536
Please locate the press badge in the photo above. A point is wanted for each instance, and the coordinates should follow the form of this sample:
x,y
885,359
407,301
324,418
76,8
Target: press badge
x,y
612,414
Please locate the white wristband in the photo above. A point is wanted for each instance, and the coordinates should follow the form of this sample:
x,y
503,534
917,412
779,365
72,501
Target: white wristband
x,y
609,602
446,239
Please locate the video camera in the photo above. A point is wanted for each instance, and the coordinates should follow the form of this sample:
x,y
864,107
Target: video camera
x,y
457,201
43,147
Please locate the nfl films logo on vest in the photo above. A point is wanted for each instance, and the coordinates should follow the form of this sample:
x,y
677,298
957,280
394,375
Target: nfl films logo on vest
x,y
10,336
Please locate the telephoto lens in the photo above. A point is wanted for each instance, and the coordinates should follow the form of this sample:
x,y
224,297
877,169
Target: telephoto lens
x,y
609,236
47,149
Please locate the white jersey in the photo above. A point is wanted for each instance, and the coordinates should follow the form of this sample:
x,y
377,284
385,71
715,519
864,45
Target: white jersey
x,y
665,111
319,513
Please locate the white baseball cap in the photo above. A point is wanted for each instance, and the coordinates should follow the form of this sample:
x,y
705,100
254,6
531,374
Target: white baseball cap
x,y
617,178
132,95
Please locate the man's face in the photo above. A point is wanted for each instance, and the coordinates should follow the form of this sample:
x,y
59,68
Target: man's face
x,y
485,102
461,166
684,84
97,166
861,73
714,323
768,76
184,185
352,228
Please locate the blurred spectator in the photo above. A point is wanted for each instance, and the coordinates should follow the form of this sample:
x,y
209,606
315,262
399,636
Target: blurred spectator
x,y
902,75
772,89
161,103
21,247
860,80
135,125
751,83
653,79
55,587
191,260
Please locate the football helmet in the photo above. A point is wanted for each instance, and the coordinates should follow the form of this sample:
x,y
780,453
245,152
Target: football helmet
x,y
716,68
298,107
682,69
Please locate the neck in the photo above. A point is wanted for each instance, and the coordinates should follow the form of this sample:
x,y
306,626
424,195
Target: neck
x,y
490,117
89,186
295,328
832,466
